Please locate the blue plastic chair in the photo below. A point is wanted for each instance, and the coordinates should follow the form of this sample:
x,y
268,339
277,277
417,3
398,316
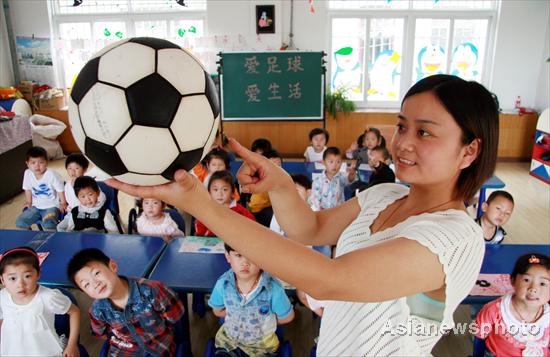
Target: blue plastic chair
x,y
479,347
111,195
62,322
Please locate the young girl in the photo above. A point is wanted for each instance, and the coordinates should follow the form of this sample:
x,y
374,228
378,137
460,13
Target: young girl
x,y
154,221
27,310
319,139
518,324
220,187
367,141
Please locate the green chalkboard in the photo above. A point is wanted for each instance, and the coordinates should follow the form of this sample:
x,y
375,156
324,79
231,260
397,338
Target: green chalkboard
x,y
272,85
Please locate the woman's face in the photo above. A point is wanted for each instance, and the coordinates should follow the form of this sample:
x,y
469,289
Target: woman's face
x,y
426,146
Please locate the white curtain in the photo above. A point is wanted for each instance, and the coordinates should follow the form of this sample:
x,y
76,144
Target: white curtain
x,y
6,68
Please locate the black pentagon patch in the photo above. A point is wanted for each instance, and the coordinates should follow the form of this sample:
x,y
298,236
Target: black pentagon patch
x,y
156,43
152,101
105,157
212,94
85,80
185,160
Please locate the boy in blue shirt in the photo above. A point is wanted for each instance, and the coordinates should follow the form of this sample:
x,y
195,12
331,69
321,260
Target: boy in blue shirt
x,y
252,303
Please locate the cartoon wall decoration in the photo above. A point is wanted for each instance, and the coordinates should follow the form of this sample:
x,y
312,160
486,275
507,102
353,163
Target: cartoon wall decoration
x,y
384,74
265,19
431,60
347,71
464,61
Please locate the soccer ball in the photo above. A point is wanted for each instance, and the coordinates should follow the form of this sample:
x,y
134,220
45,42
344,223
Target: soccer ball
x,y
143,108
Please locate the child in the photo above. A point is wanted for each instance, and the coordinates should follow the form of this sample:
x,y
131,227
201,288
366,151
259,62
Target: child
x,y
261,145
259,204
136,316
303,186
76,165
370,139
221,186
518,324
43,192
252,303
497,210
153,221
327,189
217,160
91,214
379,161
27,310
318,138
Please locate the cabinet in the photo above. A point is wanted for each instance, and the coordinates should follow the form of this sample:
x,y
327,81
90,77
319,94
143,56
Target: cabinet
x,y
540,168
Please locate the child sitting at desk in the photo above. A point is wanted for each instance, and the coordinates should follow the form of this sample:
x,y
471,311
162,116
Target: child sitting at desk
x,y
153,221
92,213
497,210
518,324
136,316
252,303
76,165
220,186
27,310
361,150
318,138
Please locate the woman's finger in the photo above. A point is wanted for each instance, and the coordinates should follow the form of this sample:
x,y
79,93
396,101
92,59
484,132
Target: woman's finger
x,y
133,190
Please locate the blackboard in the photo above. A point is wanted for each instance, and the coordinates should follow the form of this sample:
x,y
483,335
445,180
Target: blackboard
x,y
272,85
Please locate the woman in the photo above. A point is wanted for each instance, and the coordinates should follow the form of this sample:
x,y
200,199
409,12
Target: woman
x,y
405,258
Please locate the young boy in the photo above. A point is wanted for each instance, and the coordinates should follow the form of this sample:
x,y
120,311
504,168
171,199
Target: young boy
x,y
76,165
91,213
496,212
252,303
136,316
327,190
259,204
43,192
318,138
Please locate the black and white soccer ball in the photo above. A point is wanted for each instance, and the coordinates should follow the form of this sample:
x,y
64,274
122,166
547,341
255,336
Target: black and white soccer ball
x,y
143,108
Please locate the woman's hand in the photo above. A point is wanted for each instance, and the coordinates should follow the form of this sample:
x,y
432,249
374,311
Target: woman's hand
x,y
257,173
184,192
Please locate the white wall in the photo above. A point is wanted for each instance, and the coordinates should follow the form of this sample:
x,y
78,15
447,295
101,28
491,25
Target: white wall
x,y
520,50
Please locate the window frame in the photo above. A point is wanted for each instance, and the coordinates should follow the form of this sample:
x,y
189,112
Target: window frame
x,y
409,27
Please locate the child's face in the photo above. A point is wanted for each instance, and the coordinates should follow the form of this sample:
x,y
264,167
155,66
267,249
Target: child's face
x,y
221,192
152,208
276,160
370,140
216,164
376,157
37,165
498,212
533,287
74,170
332,163
97,280
318,142
21,281
241,266
88,197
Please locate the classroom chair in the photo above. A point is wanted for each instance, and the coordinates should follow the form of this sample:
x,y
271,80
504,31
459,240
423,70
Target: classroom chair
x,y
111,195
62,322
479,347
174,214
285,350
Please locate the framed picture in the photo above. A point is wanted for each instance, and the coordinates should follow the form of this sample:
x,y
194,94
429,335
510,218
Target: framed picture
x,y
265,19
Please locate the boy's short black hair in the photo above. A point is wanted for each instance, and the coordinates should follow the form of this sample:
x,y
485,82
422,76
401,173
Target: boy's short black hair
x,y
527,261
500,193
331,150
37,152
85,182
20,255
83,258
228,248
272,153
318,131
302,180
78,159
384,151
217,153
223,175
261,144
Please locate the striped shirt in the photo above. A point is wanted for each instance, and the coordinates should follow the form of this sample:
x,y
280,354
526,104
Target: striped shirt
x,y
389,328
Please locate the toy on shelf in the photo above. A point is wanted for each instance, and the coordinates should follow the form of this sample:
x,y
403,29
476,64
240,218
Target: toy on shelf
x,y
540,161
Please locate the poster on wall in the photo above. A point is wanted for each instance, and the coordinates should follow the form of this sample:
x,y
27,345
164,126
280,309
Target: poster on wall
x,y
34,56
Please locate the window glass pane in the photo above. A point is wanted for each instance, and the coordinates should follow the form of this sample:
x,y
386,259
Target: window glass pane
x,y
90,7
347,56
454,4
385,51
155,28
74,48
106,33
430,46
368,4
469,40
166,5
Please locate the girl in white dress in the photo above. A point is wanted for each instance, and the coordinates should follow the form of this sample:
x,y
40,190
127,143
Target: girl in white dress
x,y
27,310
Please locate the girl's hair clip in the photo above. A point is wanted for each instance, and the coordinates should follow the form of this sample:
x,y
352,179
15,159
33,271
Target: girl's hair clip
x,y
534,260
20,249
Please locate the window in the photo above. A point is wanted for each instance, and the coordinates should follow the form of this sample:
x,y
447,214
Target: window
x,y
80,31
379,48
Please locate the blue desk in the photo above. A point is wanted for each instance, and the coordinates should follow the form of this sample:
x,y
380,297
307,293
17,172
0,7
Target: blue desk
x,y
135,255
500,259
11,238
